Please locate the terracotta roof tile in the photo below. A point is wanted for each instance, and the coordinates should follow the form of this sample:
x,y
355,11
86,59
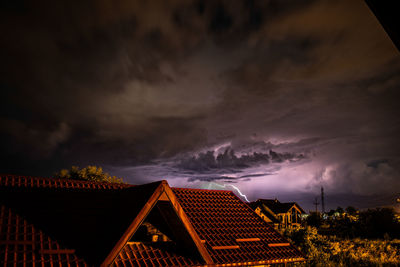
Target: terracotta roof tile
x,y
22,244
230,231
75,217
220,218
136,253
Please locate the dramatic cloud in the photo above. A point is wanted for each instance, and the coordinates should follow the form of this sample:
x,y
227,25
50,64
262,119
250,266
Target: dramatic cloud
x,y
208,162
147,88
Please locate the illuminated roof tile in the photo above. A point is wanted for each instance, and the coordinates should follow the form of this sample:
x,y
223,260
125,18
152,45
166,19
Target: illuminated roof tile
x,y
220,218
135,254
226,227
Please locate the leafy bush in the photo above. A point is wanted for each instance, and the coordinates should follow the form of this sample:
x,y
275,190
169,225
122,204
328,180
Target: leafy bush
x,y
333,251
90,173
313,245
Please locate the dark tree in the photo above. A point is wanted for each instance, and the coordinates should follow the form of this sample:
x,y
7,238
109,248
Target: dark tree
x,y
314,219
378,223
331,212
340,210
351,210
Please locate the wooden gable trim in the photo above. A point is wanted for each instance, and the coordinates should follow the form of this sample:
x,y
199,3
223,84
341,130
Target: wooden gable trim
x,y
265,207
296,207
162,192
134,225
186,222
299,208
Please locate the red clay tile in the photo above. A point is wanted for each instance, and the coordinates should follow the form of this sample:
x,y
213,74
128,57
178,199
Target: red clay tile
x,y
21,244
219,218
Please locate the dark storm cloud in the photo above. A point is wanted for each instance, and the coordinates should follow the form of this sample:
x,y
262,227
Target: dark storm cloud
x,y
229,160
375,163
68,67
212,179
147,82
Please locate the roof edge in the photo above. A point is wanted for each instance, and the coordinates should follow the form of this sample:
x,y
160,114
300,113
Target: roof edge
x,y
158,192
137,221
186,222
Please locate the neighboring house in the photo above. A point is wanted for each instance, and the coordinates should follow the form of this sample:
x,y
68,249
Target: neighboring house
x,y
61,222
280,215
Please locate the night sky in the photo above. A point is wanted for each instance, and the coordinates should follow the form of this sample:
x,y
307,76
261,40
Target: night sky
x,y
275,98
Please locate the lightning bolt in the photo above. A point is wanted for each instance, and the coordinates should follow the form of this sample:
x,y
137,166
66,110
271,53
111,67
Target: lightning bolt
x,y
234,187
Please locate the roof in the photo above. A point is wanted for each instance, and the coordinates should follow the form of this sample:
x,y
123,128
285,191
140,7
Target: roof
x,y
276,206
78,215
40,182
45,220
266,211
231,231
139,254
22,243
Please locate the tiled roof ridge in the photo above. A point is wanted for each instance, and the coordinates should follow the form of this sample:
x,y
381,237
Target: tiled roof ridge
x,y
12,180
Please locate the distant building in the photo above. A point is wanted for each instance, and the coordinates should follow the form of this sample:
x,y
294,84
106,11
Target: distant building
x,y
280,215
62,222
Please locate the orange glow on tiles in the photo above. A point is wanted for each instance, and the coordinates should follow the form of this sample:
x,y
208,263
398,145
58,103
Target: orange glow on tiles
x,y
279,245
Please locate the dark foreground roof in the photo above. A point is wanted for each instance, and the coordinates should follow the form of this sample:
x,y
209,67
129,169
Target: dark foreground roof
x,y
387,12
64,222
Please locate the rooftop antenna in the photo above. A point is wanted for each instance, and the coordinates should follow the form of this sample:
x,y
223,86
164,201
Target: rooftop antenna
x,y
316,203
322,199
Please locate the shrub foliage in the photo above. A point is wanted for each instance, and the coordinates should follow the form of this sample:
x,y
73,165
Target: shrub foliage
x,y
333,251
90,173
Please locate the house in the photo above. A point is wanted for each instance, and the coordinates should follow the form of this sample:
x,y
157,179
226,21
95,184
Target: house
x,y
61,222
279,215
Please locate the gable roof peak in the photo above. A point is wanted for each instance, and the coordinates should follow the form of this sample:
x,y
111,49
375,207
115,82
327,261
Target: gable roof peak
x,y
162,192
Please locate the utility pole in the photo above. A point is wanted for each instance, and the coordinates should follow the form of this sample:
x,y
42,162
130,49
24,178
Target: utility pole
x,y
322,199
316,203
